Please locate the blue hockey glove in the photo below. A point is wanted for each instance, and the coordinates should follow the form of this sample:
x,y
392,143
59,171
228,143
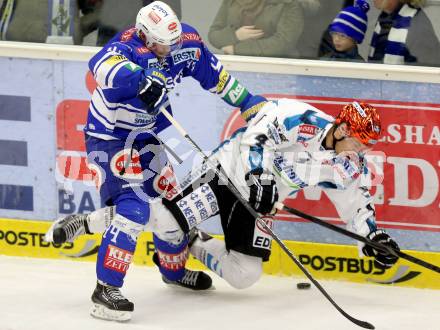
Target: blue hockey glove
x,y
263,191
152,90
381,259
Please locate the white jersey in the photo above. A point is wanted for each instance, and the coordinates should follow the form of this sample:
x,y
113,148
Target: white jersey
x,y
285,137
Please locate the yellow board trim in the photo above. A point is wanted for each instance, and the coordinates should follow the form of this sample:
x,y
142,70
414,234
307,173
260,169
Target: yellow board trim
x,y
325,261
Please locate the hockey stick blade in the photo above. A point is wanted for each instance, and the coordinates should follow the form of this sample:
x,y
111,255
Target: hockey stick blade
x,y
376,245
360,323
220,172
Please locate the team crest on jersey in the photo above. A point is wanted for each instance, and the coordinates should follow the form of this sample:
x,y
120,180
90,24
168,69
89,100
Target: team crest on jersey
x,y
277,132
186,54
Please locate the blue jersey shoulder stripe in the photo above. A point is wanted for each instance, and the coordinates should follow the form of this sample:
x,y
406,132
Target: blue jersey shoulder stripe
x,y
311,117
293,121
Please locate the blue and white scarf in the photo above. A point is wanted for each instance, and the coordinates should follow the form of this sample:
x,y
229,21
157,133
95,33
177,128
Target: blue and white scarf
x,y
61,21
395,49
6,12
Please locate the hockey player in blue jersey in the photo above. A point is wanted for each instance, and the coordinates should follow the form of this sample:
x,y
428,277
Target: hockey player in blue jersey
x,y
134,72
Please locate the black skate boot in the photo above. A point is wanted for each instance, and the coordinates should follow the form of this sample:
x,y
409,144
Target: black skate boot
x,y
110,304
68,229
194,280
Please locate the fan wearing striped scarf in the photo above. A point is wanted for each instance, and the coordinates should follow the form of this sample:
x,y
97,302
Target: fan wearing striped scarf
x,y
404,34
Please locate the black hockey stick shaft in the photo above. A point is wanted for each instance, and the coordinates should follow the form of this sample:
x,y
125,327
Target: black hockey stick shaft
x,y
376,245
222,175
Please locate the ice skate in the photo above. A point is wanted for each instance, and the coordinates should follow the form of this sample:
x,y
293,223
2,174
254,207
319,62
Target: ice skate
x,y
109,304
194,280
68,229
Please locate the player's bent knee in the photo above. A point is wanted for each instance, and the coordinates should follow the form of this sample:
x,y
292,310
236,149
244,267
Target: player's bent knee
x,y
133,208
164,225
246,270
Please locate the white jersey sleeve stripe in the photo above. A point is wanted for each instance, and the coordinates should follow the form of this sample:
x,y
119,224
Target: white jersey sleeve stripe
x,y
113,71
98,64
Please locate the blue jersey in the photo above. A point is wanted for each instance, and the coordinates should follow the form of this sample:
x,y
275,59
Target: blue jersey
x,y
119,68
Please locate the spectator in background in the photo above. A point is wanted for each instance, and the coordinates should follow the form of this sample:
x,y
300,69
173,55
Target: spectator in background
x,y
113,16
51,21
326,43
318,15
404,34
347,31
258,27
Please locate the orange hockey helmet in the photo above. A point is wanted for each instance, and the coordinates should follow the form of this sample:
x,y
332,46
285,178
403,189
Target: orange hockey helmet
x,y
362,120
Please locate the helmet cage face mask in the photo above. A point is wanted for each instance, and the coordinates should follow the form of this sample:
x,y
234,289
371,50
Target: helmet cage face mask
x,y
363,122
158,24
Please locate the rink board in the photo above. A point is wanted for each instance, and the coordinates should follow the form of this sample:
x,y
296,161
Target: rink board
x,y
44,174
324,261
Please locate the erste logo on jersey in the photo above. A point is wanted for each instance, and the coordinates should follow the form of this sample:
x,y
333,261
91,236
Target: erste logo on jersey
x,y
186,54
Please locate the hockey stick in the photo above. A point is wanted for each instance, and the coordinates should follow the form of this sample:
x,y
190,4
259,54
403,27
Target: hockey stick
x,y
220,172
376,245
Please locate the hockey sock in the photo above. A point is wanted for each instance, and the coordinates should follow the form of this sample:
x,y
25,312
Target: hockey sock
x,y
172,258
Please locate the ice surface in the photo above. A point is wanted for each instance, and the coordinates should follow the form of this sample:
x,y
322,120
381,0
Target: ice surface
x,y
39,294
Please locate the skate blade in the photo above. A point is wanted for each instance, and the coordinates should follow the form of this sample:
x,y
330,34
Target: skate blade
x,y
174,286
48,237
101,312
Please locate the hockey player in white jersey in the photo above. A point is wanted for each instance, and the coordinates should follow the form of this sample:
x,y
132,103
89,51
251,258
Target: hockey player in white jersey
x,y
288,145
